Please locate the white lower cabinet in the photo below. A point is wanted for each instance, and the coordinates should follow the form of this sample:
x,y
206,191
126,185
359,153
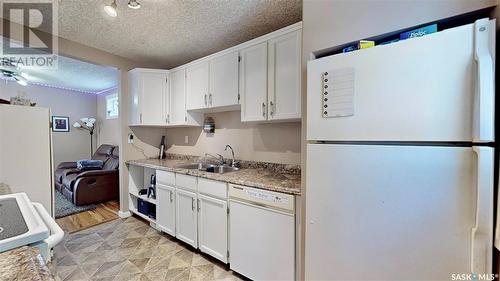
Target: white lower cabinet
x,y
212,227
186,217
165,213
196,211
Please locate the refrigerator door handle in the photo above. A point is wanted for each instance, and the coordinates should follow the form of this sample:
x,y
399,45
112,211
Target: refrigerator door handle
x,y
484,99
482,231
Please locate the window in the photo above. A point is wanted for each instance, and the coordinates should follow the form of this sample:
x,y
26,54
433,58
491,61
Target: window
x,y
112,106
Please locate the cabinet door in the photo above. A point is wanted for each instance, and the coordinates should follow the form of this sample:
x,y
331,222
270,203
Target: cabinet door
x,y
165,208
253,83
177,113
212,221
197,86
152,91
135,110
224,81
284,77
186,214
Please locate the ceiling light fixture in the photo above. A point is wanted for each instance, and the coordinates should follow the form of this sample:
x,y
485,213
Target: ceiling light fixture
x,y
133,4
111,9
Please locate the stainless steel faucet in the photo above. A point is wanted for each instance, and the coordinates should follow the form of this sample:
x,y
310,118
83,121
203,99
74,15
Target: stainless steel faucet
x,y
233,161
219,158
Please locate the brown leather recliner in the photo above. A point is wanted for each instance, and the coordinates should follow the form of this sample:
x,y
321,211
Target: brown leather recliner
x,y
102,153
84,187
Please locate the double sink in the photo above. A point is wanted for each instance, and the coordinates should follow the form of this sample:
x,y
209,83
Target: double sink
x,y
211,168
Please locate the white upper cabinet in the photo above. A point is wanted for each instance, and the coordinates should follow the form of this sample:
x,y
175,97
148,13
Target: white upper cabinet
x,y
149,91
224,81
262,77
153,89
197,86
270,79
177,104
253,83
134,116
213,83
284,77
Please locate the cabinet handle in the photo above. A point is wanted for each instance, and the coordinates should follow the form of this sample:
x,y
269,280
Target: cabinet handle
x,y
205,100
171,197
271,108
199,205
192,204
140,118
264,109
210,99
168,119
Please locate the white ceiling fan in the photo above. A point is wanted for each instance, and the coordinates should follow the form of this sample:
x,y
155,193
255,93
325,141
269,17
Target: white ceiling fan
x,y
13,72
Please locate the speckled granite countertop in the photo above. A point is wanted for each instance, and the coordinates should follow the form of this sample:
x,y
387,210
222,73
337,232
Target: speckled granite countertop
x,y
24,263
274,177
4,189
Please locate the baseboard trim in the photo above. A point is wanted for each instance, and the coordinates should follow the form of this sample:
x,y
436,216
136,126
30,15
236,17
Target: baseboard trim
x,y
124,214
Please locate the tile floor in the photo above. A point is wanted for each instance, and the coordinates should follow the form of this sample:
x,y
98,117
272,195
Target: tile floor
x,y
128,249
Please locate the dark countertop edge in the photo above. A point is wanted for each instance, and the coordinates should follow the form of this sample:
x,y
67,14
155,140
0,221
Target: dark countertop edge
x,y
286,190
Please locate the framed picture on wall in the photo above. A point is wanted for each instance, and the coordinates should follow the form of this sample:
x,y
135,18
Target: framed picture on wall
x,y
60,124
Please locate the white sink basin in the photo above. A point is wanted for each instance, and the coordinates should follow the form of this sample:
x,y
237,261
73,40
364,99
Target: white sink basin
x,y
36,229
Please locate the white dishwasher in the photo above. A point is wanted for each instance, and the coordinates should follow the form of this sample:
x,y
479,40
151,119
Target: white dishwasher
x,y
261,233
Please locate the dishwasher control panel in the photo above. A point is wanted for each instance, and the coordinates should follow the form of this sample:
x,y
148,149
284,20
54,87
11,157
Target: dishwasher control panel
x,y
263,197
267,196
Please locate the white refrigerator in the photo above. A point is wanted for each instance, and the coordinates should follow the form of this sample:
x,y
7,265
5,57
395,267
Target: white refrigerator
x,y
26,152
400,159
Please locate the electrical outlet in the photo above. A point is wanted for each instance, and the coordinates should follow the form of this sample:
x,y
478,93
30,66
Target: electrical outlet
x,y
130,138
186,139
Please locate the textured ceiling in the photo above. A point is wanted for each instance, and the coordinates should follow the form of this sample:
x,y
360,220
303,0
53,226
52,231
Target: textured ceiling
x,y
168,33
76,75
71,74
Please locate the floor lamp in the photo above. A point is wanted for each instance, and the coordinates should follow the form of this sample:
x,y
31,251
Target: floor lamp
x,y
89,125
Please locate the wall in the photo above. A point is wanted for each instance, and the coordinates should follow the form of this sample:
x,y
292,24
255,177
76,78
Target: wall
x,y
109,129
144,138
331,23
127,152
67,146
277,142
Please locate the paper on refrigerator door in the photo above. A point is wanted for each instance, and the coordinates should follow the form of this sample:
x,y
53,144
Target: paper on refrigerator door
x,y
338,93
